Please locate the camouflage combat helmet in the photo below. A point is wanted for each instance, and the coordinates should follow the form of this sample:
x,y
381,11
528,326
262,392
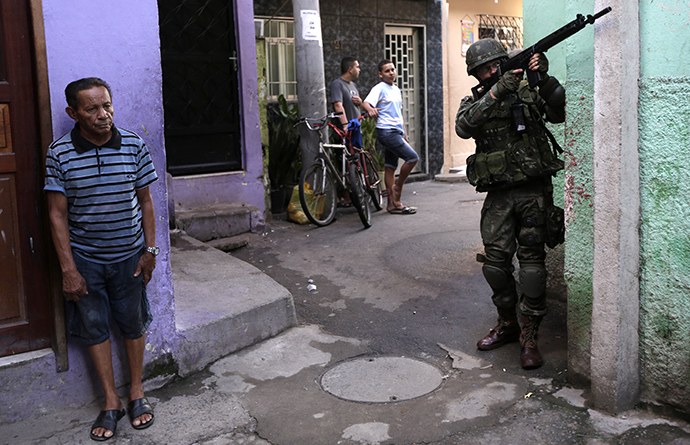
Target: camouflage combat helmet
x,y
483,51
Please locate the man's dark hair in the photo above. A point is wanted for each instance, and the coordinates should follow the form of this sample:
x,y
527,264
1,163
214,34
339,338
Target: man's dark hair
x,y
347,63
72,90
384,62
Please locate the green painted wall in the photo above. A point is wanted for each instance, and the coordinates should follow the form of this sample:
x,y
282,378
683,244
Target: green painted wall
x,y
579,191
263,119
664,150
664,144
572,63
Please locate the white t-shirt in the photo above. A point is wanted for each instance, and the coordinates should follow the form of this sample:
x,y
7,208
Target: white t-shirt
x,y
389,99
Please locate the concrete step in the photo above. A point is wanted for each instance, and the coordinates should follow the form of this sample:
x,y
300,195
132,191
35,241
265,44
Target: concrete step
x,y
456,174
450,177
228,244
219,221
222,304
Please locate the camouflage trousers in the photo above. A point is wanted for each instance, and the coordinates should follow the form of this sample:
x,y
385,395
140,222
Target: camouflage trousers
x,y
513,221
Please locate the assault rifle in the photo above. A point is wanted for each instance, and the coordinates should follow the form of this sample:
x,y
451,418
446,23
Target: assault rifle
x,y
521,60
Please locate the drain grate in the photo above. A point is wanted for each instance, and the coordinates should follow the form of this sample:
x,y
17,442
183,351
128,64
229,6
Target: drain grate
x,y
381,379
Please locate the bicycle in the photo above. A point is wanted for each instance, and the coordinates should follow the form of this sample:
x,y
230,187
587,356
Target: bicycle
x,y
321,180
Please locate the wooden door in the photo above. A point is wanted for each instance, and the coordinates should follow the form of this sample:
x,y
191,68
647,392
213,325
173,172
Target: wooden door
x,y
25,310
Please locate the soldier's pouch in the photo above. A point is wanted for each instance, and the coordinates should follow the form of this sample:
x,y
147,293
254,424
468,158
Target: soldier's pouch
x,y
496,163
471,170
555,226
478,172
528,158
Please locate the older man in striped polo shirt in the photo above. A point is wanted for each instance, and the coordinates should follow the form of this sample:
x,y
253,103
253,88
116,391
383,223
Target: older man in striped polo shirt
x,y
104,231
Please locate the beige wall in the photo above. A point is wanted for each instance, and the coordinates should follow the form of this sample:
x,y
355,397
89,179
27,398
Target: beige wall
x,y
457,83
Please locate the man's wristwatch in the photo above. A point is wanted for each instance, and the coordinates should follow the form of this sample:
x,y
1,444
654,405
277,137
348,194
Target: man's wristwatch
x,y
153,250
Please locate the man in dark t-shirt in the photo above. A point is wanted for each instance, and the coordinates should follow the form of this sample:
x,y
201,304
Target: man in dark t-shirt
x,y
344,93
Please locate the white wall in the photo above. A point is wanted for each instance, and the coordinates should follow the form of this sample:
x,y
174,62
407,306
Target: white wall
x,y
457,83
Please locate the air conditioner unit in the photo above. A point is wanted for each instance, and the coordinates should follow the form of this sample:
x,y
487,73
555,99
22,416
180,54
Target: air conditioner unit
x,y
259,27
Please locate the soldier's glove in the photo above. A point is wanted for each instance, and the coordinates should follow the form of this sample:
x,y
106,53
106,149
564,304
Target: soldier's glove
x,y
543,64
507,84
542,68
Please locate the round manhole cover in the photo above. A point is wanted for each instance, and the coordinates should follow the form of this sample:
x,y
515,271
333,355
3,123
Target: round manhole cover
x,y
381,379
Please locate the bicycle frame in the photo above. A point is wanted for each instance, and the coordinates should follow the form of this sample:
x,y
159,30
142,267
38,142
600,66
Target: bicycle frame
x,y
348,153
356,154
339,175
353,177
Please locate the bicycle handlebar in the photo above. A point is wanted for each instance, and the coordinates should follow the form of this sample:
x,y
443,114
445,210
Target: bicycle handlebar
x,y
320,122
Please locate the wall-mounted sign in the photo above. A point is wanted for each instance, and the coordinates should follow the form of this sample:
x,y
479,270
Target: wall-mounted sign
x,y
311,25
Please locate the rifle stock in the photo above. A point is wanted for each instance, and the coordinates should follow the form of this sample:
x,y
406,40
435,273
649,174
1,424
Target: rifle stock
x,y
521,60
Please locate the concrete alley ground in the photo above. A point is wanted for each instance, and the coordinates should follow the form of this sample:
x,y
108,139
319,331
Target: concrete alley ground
x,y
384,351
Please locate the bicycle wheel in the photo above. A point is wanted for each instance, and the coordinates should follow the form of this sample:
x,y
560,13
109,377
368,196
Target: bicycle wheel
x,y
360,198
317,193
373,178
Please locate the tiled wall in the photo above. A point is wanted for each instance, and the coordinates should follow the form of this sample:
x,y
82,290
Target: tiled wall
x,y
358,27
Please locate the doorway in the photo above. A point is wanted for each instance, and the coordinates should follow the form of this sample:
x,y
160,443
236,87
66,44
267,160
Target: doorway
x,y
402,47
200,86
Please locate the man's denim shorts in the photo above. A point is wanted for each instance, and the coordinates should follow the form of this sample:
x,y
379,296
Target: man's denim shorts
x,y
113,291
396,147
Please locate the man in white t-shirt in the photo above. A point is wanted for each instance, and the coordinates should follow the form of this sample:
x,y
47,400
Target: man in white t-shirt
x,y
384,102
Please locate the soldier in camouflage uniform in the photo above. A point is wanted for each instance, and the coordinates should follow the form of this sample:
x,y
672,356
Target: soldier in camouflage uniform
x,y
514,162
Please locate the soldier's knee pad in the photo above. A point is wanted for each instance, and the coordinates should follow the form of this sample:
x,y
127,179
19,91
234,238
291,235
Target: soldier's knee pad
x,y
533,281
495,276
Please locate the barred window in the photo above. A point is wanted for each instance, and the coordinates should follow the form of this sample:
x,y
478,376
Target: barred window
x,y
507,30
279,38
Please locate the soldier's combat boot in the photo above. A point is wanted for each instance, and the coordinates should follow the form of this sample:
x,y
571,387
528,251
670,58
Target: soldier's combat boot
x,y
507,330
530,357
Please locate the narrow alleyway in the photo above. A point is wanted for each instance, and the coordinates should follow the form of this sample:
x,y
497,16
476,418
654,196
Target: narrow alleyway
x,y
384,351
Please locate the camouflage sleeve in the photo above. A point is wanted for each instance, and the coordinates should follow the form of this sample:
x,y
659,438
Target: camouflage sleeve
x,y
472,114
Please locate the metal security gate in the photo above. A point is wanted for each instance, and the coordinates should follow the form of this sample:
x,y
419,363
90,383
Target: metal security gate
x,y
200,87
402,48
507,30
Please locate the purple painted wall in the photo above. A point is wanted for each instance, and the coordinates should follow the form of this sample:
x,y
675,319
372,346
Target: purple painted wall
x,y
245,187
118,42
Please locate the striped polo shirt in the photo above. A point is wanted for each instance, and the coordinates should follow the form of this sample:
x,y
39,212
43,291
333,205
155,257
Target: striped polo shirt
x,y
104,216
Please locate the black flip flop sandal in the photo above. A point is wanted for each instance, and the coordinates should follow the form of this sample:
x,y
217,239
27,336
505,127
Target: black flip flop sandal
x,y
136,408
107,419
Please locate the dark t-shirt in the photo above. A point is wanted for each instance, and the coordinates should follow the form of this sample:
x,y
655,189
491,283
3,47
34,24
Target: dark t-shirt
x,y
342,91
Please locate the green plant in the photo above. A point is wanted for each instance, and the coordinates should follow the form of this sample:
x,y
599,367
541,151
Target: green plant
x,y
369,142
284,156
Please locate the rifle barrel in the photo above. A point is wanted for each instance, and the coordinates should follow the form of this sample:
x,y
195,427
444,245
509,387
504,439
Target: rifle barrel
x,y
601,13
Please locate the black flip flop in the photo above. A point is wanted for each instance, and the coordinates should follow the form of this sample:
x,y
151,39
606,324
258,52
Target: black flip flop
x,y
136,408
404,211
107,419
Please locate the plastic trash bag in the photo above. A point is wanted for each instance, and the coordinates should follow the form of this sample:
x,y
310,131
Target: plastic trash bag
x,y
294,210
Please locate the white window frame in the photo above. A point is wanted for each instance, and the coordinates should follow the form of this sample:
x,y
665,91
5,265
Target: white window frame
x,y
279,41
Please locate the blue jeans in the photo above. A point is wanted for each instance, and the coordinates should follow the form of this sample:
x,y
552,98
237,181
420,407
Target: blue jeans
x,y
393,141
113,292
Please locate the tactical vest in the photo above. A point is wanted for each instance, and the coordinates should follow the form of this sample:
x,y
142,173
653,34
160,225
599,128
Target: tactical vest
x,y
513,145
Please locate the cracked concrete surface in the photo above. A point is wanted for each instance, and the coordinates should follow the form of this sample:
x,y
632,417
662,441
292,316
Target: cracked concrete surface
x,y
407,287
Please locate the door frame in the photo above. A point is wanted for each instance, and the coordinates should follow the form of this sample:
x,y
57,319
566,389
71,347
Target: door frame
x,y
421,40
42,86
226,137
